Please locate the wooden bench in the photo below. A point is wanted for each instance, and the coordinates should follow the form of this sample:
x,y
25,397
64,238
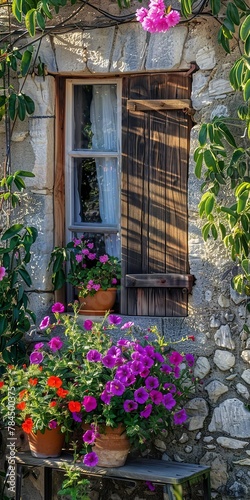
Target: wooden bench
x,y
173,476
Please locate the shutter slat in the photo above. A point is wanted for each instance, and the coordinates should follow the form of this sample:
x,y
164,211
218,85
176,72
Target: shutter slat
x,y
184,281
157,104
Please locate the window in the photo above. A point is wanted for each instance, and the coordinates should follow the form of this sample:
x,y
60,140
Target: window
x,y
126,169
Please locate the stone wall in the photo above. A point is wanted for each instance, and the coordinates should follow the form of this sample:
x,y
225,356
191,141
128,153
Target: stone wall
x,y
219,426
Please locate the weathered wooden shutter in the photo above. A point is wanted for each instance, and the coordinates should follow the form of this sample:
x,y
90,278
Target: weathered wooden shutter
x,y
155,146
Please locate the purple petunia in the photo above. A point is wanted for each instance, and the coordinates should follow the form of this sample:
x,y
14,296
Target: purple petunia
x,y
166,369
123,342
114,351
168,401
156,396
170,387
58,307
89,403
114,320
130,405
89,437
90,459
106,397
190,359
103,258
158,357
36,358
117,388
76,416
94,356
88,324
53,424
141,395
109,361
175,358
129,324
55,344
147,361
147,411
151,382
180,417
136,367
44,323
39,345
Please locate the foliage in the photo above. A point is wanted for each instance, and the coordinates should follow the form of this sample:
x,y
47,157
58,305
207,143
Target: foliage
x,y
74,485
89,268
91,378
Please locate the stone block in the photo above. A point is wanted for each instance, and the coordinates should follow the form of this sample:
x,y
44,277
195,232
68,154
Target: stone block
x,y
129,49
171,46
98,49
70,52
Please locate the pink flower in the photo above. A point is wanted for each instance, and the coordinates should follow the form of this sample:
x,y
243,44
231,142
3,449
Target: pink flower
x,y
39,345
90,459
156,397
103,258
175,358
114,281
96,287
2,272
129,324
58,307
173,18
79,257
190,359
76,242
36,358
55,344
114,320
44,323
140,14
85,251
88,324
90,245
180,417
89,403
53,424
92,256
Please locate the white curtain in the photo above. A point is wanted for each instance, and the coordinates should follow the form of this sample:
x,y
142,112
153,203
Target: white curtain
x,y
103,116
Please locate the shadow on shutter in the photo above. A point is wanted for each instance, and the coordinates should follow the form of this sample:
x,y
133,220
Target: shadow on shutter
x,y
155,146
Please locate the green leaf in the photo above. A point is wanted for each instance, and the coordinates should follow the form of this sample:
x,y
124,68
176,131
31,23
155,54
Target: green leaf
x,y
215,6
15,229
245,28
209,159
222,40
21,109
222,230
198,166
241,205
29,103
237,154
40,20
247,46
17,9
233,13
245,264
25,62
228,27
206,231
241,4
12,106
227,134
203,134
25,173
246,91
214,231
15,339
46,10
30,21
19,183
59,280
25,275
209,205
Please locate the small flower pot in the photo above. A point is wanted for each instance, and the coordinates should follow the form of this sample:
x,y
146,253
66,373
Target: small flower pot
x,y
112,447
98,304
46,445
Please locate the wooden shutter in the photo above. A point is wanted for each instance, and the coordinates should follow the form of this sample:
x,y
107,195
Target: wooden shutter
x,y
155,146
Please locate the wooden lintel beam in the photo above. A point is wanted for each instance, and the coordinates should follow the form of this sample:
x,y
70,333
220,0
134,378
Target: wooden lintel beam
x,y
184,281
157,104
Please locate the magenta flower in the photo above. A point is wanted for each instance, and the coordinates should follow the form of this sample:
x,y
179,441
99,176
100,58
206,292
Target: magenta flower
x,y
76,242
141,13
55,344
173,18
168,401
90,246
88,324
2,272
44,323
109,361
36,358
130,405
39,345
117,388
53,424
76,415
114,281
147,411
141,395
103,258
122,373
158,357
90,459
150,485
130,380
177,372
144,372
175,358
156,396
94,356
129,324
147,362
96,287
91,256
85,251
58,307
136,367
170,387
106,397
89,437
152,383
114,351
79,257
180,417
114,320
166,369
89,403
190,359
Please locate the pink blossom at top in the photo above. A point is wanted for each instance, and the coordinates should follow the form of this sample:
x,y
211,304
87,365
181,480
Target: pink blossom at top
x,y
58,307
76,242
175,358
180,417
114,320
2,272
89,403
90,459
88,324
55,344
103,258
173,18
44,323
141,13
156,19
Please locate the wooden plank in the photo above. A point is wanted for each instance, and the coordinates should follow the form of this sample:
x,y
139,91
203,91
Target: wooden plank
x,y
157,104
159,280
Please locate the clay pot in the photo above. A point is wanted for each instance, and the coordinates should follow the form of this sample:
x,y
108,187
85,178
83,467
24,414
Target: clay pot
x,y
112,447
98,304
46,445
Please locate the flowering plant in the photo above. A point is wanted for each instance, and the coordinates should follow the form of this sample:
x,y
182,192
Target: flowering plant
x,y
89,268
90,378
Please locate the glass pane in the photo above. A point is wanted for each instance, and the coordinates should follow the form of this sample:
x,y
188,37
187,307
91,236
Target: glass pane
x,y
95,117
109,243
96,193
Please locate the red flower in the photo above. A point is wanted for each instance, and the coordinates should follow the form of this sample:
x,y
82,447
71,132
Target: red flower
x,y
1,384
33,381
191,337
27,425
21,406
74,406
62,393
52,404
54,382
23,393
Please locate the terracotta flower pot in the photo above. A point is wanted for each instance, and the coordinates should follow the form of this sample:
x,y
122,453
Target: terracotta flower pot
x,y
112,447
46,445
98,304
